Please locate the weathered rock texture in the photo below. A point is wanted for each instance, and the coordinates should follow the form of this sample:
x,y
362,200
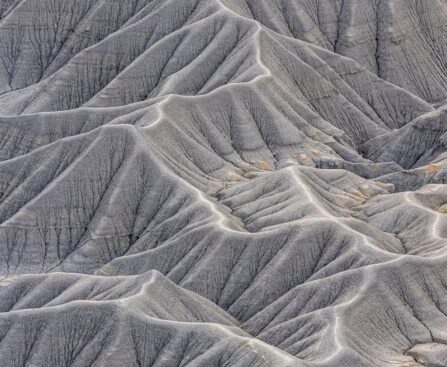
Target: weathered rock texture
x,y
243,183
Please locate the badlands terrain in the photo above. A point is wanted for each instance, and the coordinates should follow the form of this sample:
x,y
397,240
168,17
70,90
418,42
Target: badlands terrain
x,y
234,183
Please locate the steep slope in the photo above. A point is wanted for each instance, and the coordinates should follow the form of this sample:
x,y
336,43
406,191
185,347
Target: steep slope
x,y
88,318
223,183
402,41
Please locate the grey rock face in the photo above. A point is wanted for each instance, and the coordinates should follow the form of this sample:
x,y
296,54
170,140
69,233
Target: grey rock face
x,y
223,183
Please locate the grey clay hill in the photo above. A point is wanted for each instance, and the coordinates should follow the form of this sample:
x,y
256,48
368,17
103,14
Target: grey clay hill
x,y
223,183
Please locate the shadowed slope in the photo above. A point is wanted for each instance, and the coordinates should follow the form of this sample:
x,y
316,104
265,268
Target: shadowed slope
x,y
401,41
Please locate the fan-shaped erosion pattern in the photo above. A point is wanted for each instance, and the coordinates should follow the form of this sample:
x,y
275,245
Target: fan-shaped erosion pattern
x,y
223,183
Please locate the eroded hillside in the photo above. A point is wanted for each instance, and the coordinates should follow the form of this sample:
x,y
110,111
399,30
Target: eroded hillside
x,y
223,183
